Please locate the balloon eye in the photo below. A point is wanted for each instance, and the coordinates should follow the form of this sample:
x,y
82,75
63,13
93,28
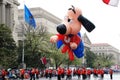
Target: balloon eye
x,y
69,20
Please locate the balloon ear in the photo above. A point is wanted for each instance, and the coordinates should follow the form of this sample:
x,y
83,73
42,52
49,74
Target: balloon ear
x,y
89,26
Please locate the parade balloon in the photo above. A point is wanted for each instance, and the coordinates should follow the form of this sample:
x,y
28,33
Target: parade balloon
x,y
69,37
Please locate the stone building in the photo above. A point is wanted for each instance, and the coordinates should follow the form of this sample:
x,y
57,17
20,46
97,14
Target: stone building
x,y
101,49
8,11
86,41
87,44
105,48
42,18
9,14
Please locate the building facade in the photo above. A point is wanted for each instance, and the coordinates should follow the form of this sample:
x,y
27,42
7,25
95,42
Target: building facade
x,y
87,43
105,48
42,18
8,11
9,14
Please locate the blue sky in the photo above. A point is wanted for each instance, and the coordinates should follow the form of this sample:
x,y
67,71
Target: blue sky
x,y
105,17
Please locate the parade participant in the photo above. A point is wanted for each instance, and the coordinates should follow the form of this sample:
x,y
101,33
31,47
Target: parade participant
x,y
32,74
59,72
37,73
74,72
22,72
95,73
84,73
100,73
50,73
79,73
62,73
46,73
111,74
68,73
88,73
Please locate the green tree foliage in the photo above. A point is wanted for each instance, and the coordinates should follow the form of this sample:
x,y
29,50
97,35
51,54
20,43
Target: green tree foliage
x,y
8,54
76,62
35,45
104,60
56,55
90,58
94,60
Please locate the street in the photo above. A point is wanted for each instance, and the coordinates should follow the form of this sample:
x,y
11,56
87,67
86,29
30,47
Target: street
x,y
106,77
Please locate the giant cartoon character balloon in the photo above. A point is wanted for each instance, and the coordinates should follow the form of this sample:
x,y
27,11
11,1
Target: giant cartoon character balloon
x,y
69,33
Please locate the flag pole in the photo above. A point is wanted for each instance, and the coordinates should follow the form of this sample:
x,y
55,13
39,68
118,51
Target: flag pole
x,y
23,63
23,49
28,18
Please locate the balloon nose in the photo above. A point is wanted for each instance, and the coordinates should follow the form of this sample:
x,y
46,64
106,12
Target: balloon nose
x,y
61,29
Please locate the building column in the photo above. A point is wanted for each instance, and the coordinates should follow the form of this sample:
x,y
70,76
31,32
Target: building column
x,y
11,16
2,13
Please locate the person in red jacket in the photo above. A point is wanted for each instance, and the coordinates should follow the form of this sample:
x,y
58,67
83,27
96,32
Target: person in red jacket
x,y
111,74
46,73
59,72
95,73
84,73
74,72
50,73
88,73
68,73
101,73
79,71
37,73
32,74
62,72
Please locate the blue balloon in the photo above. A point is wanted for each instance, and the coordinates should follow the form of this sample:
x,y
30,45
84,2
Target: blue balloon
x,y
59,43
79,52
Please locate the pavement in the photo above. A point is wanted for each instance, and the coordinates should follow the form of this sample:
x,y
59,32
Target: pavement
x,y
106,77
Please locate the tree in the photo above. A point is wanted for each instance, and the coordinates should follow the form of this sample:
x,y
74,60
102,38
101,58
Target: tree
x,y
8,54
35,45
56,55
90,58
103,60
